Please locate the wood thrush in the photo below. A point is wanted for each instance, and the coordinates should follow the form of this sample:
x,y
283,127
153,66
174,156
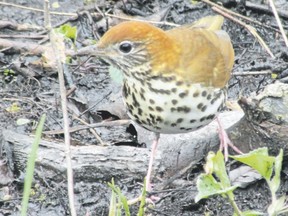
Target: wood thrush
x,y
175,80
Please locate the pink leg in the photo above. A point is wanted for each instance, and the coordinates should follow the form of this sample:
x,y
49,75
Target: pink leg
x,y
153,151
225,141
148,186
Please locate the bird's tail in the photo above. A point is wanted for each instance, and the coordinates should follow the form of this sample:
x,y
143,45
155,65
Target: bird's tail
x,y
212,23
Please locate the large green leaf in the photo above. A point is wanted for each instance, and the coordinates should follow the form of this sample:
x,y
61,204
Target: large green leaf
x,y
258,160
208,186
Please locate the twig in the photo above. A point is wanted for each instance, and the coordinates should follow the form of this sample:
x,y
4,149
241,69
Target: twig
x,y
84,127
245,73
92,130
59,52
272,5
239,15
24,36
37,10
251,29
264,8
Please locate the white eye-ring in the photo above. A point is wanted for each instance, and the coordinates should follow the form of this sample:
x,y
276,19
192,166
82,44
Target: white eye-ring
x,y
126,47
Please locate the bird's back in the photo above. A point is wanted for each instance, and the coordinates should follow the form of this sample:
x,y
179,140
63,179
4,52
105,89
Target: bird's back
x,y
207,55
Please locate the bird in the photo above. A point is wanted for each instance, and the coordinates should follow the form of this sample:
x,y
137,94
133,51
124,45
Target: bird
x,y
174,81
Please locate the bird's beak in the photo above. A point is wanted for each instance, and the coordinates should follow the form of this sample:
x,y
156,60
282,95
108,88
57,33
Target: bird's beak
x,y
93,50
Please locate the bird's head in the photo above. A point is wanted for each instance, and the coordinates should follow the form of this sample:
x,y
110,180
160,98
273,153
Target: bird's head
x,y
132,44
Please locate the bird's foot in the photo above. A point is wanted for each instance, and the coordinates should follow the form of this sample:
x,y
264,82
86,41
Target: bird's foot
x,y
225,142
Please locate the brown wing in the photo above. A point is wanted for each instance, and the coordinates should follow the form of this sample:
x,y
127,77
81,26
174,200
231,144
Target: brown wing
x,y
207,55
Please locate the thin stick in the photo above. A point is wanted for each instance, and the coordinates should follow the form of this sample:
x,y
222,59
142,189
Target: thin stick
x,y
59,52
84,127
92,130
245,73
272,5
239,15
251,29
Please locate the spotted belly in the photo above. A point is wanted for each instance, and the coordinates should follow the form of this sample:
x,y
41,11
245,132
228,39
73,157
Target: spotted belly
x,y
172,107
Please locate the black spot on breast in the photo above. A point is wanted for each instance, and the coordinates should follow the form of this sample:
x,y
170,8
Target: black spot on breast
x,y
152,117
151,101
174,102
218,95
142,96
168,79
150,108
140,111
179,83
220,108
160,91
182,128
189,129
135,102
174,90
173,109
200,105
130,108
192,121
183,94
159,119
203,108
202,119
126,90
136,116
184,109
179,120
138,121
142,90
210,117
204,93
134,89
209,96
149,121
173,125
196,94
159,109
213,100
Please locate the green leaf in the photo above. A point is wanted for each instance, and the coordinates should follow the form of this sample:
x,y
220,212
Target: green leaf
x,y
143,200
274,75
251,213
14,108
113,203
124,202
31,165
275,182
116,74
123,199
208,186
258,160
22,121
220,169
68,31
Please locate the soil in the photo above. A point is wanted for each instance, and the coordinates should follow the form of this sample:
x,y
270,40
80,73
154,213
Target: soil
x,y
37,92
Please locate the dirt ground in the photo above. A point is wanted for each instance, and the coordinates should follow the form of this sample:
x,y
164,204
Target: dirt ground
x,y
34,89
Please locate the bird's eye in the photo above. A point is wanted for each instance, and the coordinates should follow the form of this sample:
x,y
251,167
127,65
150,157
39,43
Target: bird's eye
x,y
126,47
